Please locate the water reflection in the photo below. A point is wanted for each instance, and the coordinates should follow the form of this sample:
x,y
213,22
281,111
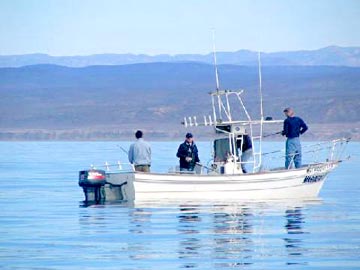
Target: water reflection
x,y
93,223
232,246
139,225
293,242
189,244
221,234
203,236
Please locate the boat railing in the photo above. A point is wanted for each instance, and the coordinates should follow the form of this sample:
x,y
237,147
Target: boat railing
x,y
117,167
331,151
322,151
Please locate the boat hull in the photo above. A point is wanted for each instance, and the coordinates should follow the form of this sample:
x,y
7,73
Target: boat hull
x,y
305,182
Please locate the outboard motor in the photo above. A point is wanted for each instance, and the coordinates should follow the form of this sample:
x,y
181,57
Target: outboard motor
x,y
92,181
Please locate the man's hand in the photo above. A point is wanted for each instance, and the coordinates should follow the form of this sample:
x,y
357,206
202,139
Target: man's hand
x,y
188,159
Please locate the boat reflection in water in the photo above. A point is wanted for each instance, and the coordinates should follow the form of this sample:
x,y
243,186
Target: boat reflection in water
x,y
293,241
189,228
235,249
198,235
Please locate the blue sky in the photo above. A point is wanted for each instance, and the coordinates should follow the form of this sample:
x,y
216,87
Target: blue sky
x,y
82,27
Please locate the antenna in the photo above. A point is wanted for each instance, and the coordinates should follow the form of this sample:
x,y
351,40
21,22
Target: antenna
x,y
260,88
215,62
261,112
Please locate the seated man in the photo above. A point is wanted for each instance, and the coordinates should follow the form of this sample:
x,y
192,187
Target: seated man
x,y
188,154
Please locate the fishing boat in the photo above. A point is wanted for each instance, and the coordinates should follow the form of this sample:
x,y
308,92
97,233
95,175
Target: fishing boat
x,y
224,178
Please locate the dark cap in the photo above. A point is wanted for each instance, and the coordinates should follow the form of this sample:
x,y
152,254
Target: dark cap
x,y
287,109
138,134
189,135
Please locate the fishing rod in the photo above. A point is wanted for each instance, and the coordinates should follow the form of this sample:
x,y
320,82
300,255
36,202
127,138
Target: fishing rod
x,y
272,134
123,149
206,167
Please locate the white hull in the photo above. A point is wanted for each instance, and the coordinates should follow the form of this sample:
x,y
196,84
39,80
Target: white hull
x,y
282,184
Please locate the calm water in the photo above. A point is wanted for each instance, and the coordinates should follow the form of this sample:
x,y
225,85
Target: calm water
x,y
44,224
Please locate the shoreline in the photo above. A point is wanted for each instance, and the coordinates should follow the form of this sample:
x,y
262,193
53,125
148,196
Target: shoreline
x,y
166,132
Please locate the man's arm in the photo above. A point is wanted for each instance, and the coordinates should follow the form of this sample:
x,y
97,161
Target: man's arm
x,y
182,152
303,127
149,152
248,142
131,154
285,128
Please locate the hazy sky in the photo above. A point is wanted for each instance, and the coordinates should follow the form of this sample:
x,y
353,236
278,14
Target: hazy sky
x,y
62,27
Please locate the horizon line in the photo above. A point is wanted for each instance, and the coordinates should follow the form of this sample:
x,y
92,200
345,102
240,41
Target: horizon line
x,y
176,54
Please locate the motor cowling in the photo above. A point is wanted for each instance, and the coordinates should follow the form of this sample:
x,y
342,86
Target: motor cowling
x,y
92,178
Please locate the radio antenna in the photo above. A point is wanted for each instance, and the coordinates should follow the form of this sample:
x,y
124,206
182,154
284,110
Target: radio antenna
x,y
260,87
215,62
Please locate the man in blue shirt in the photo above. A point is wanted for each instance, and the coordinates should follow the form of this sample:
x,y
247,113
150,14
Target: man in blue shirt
x,y
140,154
293,127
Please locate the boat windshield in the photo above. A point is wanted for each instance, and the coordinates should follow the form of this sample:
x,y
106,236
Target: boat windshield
x,y
222,150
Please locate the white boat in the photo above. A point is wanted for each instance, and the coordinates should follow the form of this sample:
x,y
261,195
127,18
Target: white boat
x,y
224,178
278,184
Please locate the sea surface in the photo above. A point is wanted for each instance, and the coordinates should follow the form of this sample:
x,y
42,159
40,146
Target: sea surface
x,y
44,223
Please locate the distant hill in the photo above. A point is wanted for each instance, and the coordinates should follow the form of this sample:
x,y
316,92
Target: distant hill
x,y
100,102
331,56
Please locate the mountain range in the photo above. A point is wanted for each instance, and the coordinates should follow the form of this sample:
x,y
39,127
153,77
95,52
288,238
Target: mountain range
x,y
329,56
110,102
